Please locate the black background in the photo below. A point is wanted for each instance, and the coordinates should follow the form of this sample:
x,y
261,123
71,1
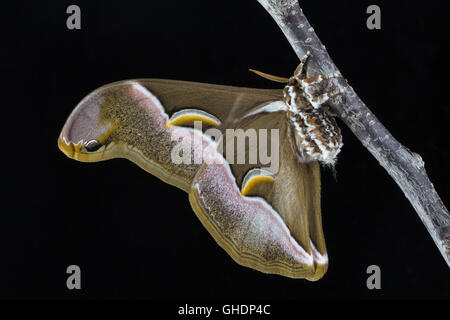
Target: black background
x,y
134,236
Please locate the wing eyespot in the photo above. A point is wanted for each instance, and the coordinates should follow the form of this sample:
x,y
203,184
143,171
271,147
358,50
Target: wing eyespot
x,y
92,145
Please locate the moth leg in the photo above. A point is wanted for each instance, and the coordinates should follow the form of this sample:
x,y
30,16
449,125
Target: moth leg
x,y
298,71
320,78
321,99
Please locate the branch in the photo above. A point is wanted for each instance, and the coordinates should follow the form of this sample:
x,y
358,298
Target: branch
x,y
403,165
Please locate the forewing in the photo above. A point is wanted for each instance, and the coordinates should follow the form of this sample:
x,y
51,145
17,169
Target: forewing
x,y
130,119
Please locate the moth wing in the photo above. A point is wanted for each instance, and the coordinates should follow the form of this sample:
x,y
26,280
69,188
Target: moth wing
x,y
269,233
130,119
278,229
227,103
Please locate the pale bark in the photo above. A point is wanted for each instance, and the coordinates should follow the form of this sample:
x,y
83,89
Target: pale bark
x,y
403,165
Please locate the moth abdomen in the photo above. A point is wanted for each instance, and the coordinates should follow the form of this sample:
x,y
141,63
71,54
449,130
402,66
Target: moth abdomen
x,y
318,136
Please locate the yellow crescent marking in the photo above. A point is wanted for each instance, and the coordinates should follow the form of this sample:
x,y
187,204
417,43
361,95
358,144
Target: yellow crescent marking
x,y
270,77
253,182
187,117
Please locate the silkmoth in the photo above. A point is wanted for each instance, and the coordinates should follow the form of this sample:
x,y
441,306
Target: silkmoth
x,y
264,219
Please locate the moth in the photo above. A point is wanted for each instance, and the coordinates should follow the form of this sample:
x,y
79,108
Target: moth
x,y
266,220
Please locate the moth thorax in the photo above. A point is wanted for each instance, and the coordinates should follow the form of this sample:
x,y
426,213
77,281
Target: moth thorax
x,y
317,135
294,98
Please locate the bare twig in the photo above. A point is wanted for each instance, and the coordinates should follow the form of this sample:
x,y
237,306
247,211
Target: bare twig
x,y
403,165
